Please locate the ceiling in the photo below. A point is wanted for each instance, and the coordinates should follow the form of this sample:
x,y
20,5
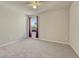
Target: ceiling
x,y
44,6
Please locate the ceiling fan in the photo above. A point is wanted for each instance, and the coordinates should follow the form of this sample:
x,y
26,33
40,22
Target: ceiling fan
x,y
33,4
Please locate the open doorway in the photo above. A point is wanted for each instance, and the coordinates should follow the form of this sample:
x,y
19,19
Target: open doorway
x,y
33,27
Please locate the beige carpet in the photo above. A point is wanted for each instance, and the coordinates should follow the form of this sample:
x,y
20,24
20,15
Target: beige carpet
x,y
30,48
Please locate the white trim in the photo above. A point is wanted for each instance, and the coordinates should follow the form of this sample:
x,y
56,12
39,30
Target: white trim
x,y
61,42
10,42
17,40
74,49
55,41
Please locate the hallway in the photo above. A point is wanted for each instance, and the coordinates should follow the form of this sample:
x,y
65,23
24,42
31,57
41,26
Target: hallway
x,y
37,48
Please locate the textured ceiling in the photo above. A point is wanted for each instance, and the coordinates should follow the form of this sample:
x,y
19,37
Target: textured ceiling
x,y
44,6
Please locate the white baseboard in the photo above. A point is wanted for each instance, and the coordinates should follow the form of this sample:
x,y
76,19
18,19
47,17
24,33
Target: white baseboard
x,y
10,42
74,49
13,41
17,40
55,41
61,42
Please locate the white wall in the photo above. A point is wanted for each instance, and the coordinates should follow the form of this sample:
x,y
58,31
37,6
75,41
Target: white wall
x,y
12,25
74,26
53,25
